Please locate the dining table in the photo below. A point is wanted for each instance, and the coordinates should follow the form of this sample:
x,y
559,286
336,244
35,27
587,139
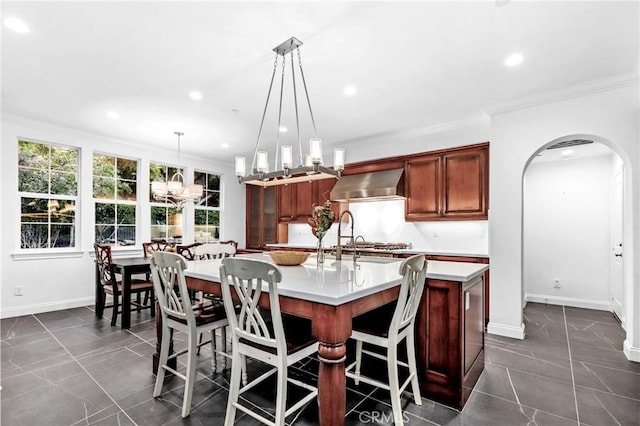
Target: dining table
x,y
330,294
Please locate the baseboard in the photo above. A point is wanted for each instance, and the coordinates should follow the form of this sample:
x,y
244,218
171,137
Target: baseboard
x,y
506,330
568,301
39,308
632,354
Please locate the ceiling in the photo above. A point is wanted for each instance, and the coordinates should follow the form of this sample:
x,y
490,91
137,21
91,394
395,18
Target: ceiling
x,y
415,64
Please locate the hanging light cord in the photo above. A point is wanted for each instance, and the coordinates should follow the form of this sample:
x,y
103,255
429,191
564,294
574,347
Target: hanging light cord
x,y
264,113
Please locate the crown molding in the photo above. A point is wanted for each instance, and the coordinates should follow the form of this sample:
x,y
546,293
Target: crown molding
x,y
582,89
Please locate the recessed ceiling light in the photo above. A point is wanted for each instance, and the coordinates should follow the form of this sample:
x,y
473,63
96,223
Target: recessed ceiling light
x,y
225,145
283,129
195,95
513,60
566,153
350,90
15,24
113,115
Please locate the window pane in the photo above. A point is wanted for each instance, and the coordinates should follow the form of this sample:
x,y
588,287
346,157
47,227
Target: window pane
x,y
175,222
103,188
34,236
64,183
34,210
105,214
200,217
126,235
158,215
104,165
213,217
105,234
127,169
200,178
62,236
64,159
126,214
63,211
157,172
126,190
35,155
213,199
158,232
171,171
31,180
214,183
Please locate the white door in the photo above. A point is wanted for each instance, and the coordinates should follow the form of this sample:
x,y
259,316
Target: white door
x,y
617,259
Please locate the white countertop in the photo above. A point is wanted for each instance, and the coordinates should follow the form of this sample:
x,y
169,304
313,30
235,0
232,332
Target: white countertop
x,y
337,282
413,250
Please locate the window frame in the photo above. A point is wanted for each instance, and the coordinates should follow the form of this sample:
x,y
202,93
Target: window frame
x,y
75,226
116,201
219,209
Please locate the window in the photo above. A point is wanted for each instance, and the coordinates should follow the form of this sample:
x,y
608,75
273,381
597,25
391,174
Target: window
x,y
48,190
115,195
207,210
166,220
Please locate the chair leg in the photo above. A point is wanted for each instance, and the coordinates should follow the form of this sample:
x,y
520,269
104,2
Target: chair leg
x,y
116,304
167,334
358,360
415,386
243,368
394,386
192,364
281,395
234,387
152,303
199,341
100,302
138,301
214,364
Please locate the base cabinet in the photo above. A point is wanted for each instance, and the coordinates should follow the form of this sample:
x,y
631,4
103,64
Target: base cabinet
x,y
450,340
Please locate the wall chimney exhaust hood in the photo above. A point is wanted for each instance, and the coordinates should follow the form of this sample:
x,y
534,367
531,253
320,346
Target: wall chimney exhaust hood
x,y
373,186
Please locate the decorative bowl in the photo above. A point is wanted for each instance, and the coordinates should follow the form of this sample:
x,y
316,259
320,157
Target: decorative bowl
x,y
288,258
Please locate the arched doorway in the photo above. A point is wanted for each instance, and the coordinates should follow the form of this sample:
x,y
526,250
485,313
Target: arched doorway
x,y
573,224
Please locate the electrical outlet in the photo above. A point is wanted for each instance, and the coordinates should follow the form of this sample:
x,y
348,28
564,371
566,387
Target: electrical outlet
x,y
17,290
556,283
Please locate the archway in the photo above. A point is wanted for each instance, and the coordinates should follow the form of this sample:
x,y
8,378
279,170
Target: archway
x,y
568,264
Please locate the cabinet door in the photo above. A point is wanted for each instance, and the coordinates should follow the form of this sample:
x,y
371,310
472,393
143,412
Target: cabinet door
x,y
254,216
422,188
305,197
323,193
465,184
287,199
269,216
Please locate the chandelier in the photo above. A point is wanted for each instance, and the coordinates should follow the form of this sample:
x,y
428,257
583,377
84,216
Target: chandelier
x,y
309,168
175,191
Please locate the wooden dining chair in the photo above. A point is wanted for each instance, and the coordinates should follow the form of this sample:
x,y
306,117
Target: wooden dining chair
x,y
262,334
167,270
154,246
187,251
389,332
109,284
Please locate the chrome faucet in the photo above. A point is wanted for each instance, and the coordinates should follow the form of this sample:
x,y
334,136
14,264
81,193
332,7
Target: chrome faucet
x,y
355,246
340,236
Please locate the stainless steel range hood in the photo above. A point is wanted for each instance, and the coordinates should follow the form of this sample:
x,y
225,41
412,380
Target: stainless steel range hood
x,y
373,186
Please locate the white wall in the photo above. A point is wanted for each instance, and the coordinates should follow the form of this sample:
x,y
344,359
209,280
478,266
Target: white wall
x,y
612,116
567,231
66,278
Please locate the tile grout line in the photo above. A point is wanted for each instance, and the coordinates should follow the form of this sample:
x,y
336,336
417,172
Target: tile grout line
x,y
85,370
573,379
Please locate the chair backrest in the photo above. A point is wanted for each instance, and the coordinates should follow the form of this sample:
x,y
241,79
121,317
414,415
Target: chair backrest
x,y
167,271
188,251
104,261
247,277
413,271
154,246
231,242
213,251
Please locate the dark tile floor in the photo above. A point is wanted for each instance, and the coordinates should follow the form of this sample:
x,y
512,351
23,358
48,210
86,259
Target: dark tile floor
x,y
67,368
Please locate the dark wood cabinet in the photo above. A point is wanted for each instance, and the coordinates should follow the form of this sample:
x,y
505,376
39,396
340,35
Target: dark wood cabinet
x,y
296,200
262,218
448,185
450,339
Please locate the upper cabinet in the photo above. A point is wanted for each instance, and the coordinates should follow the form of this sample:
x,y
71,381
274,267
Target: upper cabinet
x,y
261,221
448,185
296,200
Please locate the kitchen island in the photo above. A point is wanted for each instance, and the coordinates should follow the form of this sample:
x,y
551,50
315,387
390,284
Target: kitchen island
x,y
332,293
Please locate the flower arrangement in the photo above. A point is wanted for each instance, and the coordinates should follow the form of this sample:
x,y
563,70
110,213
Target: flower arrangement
x,y
321,219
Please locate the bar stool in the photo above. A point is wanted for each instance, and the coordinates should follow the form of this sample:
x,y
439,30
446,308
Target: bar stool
x,y
367,328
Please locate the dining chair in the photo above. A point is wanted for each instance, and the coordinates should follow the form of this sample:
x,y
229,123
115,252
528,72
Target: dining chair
x,y
154,246
231,242
167,270
390,332
187,251
108,284
262,334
